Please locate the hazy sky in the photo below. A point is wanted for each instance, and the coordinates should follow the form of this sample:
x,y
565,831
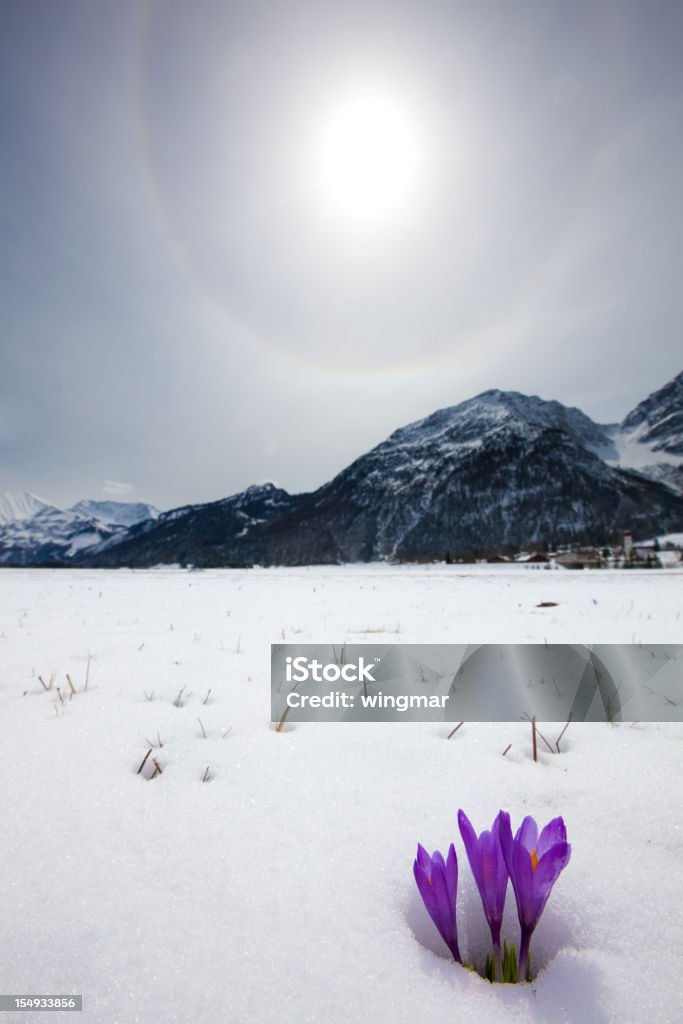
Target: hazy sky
x,y
186,304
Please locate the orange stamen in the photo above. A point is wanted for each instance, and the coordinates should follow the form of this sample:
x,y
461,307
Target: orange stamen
x,y
534,859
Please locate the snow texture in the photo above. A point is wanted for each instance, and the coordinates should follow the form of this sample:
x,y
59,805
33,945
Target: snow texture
x,y
281,890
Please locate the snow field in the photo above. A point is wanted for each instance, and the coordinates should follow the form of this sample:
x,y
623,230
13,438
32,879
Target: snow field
x,y
281,890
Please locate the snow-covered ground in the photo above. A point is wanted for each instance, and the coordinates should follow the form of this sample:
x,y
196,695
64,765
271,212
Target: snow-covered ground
x,y
281,889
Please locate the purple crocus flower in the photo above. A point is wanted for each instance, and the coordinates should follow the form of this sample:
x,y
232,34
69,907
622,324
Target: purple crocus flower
x,y
489,870
534,862
437,881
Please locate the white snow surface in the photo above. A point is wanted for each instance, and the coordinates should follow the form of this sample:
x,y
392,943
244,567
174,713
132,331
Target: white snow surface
x,y
282,890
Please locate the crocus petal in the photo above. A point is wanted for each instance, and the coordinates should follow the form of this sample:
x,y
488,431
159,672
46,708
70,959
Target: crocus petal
x,y
544,878
424,884
505,836
527,833
554,832
452,874
522,876
438,863
430,895
551,864
469,836
424,860
496,854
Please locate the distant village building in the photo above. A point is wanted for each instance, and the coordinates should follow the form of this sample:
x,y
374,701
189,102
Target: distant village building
x,y
589,559
657,553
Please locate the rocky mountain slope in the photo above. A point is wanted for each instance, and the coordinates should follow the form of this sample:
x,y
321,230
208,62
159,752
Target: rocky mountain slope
x,y
196,534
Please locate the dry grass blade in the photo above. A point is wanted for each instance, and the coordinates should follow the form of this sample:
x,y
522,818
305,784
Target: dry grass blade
x,y
538,731
281,724
453,731
535,731
557,741
48,686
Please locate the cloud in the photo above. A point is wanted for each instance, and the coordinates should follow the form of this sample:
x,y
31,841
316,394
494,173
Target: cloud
x,y
116,489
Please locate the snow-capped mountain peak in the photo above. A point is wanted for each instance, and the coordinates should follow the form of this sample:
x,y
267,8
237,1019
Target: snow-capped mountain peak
x,y
16,506
116,513
493,411
658,420
34,532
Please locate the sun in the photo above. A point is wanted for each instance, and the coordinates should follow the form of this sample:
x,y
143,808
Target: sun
x,y
369,159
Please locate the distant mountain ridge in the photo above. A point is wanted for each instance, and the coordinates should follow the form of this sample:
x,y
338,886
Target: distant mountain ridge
x,y
18,505
33,532
116,513
498,471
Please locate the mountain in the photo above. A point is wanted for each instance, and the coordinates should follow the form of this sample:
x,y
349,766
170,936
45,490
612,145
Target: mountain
x,y
52,536
650,439
498,471
195,534
33,532
16,505
116,513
